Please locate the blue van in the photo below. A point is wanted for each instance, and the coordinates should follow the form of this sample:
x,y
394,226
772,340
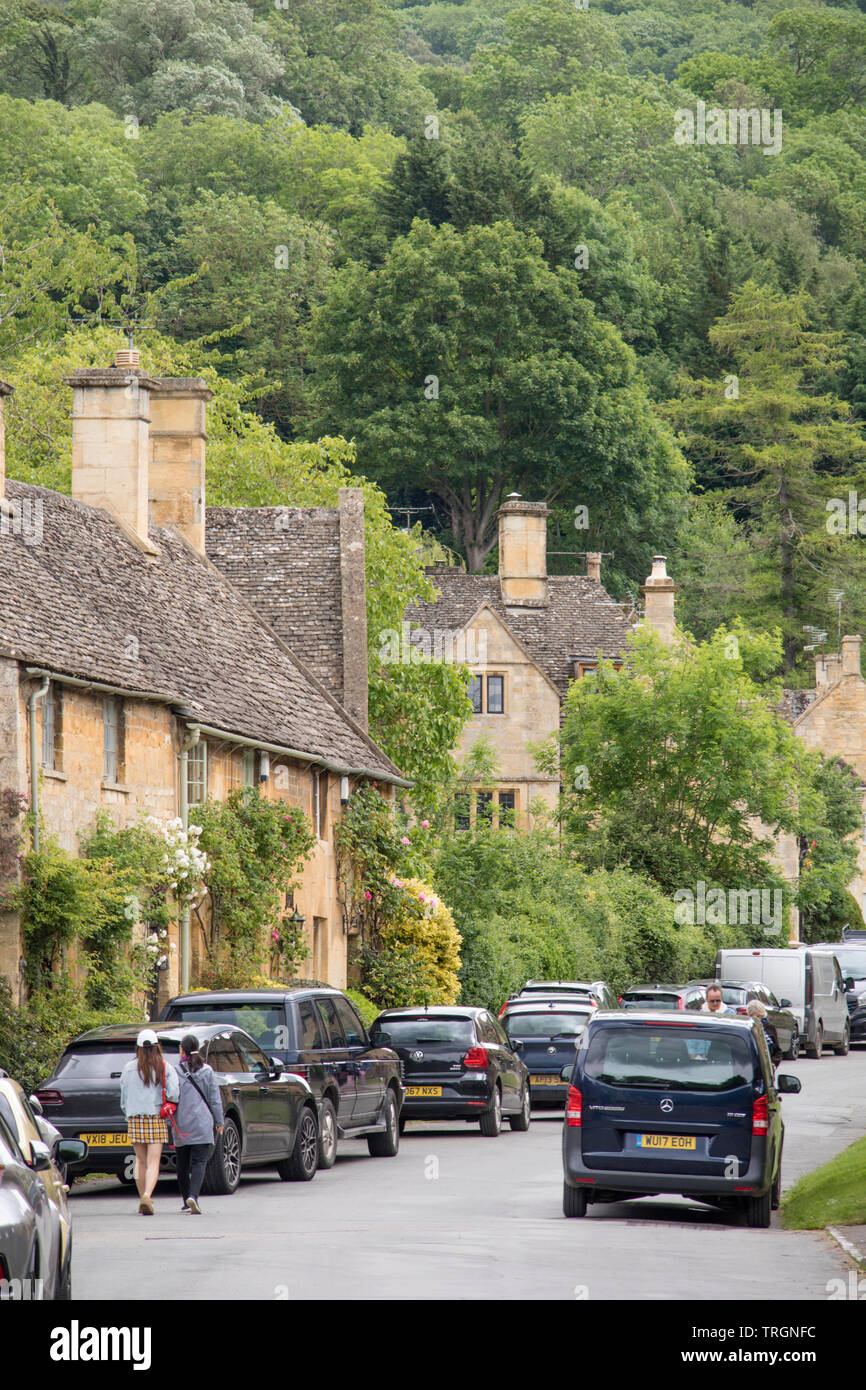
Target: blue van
x,y
665,1103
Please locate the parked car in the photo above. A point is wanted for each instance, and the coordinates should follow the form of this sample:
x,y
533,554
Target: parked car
x,y
677,997
549,1031
459,1064
807,982
34,1262
34,1137
658,1103
598,990
269,1116
858,1023
317,1033
738,995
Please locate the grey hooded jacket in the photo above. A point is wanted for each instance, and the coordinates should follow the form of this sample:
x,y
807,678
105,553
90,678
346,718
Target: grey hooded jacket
x,y
195,1118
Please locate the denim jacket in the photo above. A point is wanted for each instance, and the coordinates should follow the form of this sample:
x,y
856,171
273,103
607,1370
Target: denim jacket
x,y
138,1099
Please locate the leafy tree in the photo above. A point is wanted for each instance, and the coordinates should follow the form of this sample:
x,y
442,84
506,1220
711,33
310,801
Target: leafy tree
x,y
828,860
468,365
784,453
343,67
679,758
826,50
35,51
147,56
716,569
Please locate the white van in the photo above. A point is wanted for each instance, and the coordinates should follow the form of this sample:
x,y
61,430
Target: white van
x,y
809,983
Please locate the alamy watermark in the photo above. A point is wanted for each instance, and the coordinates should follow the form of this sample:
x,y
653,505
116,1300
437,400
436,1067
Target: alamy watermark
x,y
736,907
737,125
22,516
416,646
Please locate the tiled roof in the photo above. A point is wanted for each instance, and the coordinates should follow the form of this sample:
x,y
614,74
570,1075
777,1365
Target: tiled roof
x,y
286,563
579,619
85,601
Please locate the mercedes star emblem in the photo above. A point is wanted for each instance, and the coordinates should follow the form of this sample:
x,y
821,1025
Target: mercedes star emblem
x,y
417,1056
667,1106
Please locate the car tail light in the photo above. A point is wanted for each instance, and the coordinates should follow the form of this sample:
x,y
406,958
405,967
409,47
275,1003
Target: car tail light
x,y
741,1010
300,1069
502,1010
49,1097
809,991
760,1117
476,1057
4,1268
681,1003
620,999
574,1108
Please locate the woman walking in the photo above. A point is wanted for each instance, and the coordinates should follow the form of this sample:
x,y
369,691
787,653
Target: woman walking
x,y
146,1083
199,1113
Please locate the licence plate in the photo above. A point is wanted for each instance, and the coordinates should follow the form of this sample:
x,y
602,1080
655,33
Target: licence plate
x,y
107,1141
546,1081
416,1091
666,1141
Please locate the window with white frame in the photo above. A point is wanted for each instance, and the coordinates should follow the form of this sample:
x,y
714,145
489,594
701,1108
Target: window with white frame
x,y
112,739
196,774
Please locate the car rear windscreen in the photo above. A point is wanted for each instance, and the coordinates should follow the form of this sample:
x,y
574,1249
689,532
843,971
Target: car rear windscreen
x,y
407,1032
263,1022
650,1001
91,1062
669,1059
549,1024
852,963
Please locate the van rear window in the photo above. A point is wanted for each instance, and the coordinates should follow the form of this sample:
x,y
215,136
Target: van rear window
x,y
668,1059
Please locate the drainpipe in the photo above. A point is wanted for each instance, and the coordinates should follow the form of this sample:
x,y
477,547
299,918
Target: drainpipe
x,y
192,737
34,765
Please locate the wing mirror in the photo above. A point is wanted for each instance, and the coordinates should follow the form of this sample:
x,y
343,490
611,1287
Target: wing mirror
x,y
788,1085
71,1150
784,1003
40,1156
516,1045
850,982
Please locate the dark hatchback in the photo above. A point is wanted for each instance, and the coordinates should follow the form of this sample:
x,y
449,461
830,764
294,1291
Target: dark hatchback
x,y
459,1064
660,1104
317,1033
269,1117
548,1030
680,997
739,994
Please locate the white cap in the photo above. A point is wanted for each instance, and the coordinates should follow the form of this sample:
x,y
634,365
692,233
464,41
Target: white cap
x,y
146,1035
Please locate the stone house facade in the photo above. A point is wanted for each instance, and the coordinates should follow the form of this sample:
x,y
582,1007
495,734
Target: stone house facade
x,y
135,669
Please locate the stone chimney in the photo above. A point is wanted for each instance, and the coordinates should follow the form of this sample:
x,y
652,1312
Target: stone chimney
x,y
593,566
828,670
176,487
658,592
110,443
523,551
4,392
851,656
353,585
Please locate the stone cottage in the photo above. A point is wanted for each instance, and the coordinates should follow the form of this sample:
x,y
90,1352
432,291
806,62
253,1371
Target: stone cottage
x,y
134,674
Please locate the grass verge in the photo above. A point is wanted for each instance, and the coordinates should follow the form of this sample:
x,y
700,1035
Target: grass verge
x,y
834,1195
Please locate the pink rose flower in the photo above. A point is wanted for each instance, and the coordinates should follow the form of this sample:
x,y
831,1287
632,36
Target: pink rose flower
x,y
425,825
404,839
367,894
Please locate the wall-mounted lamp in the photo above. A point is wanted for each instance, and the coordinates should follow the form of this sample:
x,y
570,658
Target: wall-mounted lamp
x,y
264,767
344,790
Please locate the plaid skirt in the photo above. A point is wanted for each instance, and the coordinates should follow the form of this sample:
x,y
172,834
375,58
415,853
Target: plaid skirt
x,y
148,1129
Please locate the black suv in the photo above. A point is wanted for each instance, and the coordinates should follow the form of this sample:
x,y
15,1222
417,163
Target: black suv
x,y
459,1064
317,1033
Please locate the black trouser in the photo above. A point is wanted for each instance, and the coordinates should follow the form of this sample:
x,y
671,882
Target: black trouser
x,y
191,1163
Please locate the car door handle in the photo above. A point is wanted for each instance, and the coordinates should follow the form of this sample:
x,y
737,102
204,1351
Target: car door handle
x,y
236,1090
263,1090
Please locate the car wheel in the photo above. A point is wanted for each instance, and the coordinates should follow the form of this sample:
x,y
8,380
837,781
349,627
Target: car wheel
x,y
842,1049
815,1052
573,1201
758,1210
328,1135
386,1143
521,1121
794,1050
302,1162
223,1172
491,1120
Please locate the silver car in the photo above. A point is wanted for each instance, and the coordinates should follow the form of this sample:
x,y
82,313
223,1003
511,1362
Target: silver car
x,y
33,1264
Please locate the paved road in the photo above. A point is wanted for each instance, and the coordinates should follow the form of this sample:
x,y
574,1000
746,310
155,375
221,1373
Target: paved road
x,y
456,1215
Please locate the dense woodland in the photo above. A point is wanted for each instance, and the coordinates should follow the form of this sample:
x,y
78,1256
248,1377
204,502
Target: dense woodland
x,y
460,243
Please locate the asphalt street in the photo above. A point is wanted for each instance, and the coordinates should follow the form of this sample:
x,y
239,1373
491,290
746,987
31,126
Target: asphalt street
x,y
456,1215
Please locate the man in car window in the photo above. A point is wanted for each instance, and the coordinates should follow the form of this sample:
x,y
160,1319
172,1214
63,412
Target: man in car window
x,y
713,1003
